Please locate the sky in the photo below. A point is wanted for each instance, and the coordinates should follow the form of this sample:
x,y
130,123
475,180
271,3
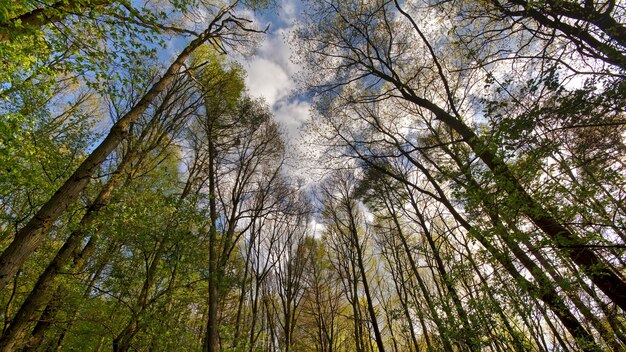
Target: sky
x,y
271,74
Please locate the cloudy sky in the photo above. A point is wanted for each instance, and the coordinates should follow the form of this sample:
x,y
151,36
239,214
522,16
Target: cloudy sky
x,y
271,74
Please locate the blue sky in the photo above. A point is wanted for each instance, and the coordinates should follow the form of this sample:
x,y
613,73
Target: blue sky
x,y
272,75
270,72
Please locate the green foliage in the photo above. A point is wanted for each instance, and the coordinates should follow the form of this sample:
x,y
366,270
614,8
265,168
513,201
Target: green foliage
x,y
40,143
469,132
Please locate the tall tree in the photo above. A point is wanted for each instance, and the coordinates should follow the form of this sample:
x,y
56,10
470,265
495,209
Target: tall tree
x,y
28,238
371,47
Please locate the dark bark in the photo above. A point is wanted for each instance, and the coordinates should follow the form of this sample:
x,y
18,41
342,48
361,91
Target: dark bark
x,y
549,14
548,295
210,341
605,333
368,297
348,229
47,318
572,245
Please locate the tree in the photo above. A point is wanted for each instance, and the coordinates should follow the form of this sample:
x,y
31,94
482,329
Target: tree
x,y
371,50
160,128
473,200
345,221
380,106
30,235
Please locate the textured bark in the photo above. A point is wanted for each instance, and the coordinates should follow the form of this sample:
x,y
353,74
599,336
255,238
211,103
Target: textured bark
x,y
547,294
549,14
599,272
210,341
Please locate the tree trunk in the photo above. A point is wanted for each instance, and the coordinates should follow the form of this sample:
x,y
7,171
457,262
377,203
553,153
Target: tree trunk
x,y
122,341
210,341
45,287
39,17
549,296
425,293
466,329
354,239
572,246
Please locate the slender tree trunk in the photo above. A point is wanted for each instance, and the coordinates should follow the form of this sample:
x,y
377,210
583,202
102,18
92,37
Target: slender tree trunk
x,y
356,308
575,328
242,295
49,313
354,239
46,285
210,341
550,297
122,342
516,337
467,331
425,293
9,306
400,283
602,329
287,330
254,317
572,246
44,325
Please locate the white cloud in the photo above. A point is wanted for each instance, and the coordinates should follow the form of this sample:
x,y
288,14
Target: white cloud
x,y
288,10
271,75
276,49
268,79
291,115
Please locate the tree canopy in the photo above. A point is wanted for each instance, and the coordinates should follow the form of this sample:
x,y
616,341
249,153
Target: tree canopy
x,y
473,194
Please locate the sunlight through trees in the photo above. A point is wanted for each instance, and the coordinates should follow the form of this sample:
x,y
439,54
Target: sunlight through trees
x,y
458,185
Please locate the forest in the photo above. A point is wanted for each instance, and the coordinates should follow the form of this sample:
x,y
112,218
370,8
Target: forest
x,y
459,183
